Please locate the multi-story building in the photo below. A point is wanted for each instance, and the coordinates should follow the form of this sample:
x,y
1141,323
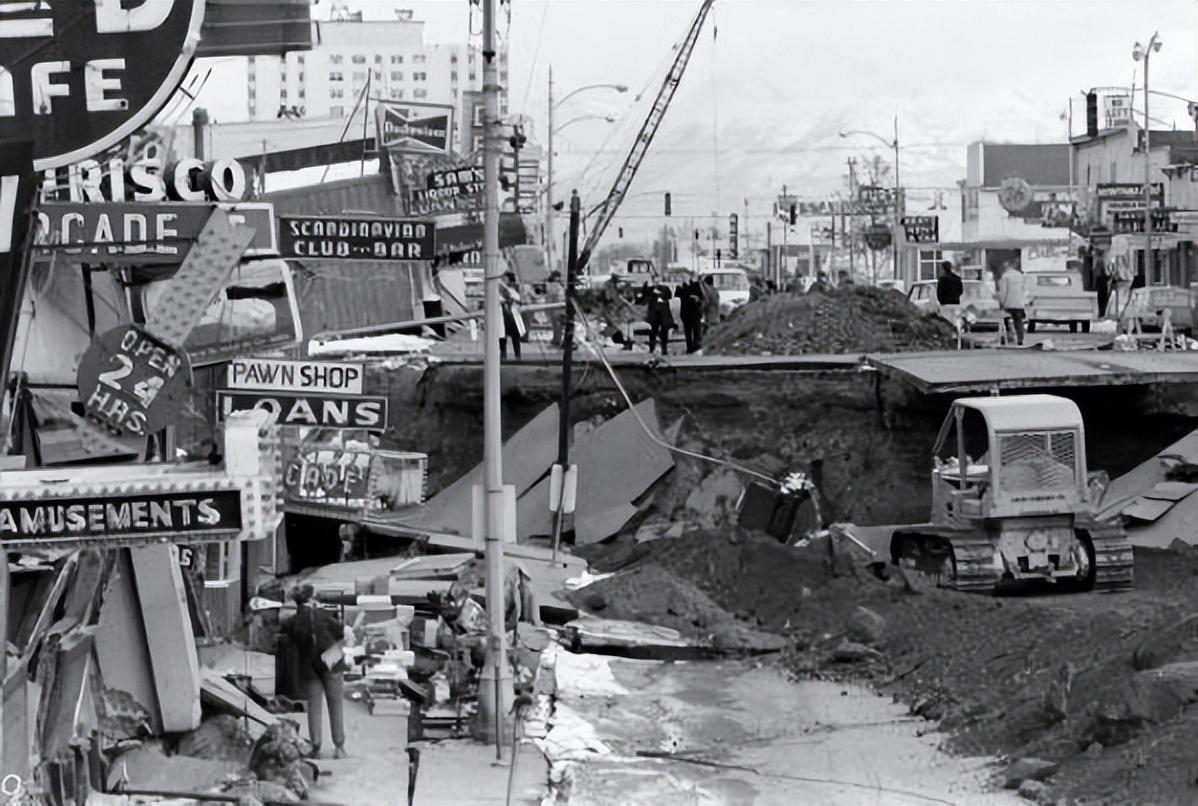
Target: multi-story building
x,y
359,55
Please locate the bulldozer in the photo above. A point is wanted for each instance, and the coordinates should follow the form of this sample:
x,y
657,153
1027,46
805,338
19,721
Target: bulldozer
x,y
1023,511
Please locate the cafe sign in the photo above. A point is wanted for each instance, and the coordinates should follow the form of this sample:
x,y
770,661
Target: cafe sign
x,y
79,76
355,238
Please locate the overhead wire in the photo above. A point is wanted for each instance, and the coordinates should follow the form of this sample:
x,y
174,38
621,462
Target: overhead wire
x,y
536,53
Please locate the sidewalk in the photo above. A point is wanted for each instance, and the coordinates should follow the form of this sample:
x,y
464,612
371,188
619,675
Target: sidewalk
x,y
454,772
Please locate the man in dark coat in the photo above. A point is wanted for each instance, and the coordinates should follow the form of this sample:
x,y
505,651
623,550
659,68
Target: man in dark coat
x,y
949,287
661,320
691,314
318,636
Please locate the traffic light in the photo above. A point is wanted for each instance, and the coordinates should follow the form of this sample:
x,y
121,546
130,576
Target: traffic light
x,y
794,214
1091,114
719,253
667,204
696,235
620,231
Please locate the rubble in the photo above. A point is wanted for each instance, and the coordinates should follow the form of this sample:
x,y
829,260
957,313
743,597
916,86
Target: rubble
x,y
853,320
1029,769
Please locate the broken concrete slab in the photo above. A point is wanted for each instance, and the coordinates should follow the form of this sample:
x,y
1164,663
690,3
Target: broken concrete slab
x,y
169,638
1029,769
226,697
527,456
149,768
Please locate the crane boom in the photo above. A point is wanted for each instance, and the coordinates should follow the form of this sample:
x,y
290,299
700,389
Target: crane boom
x,y
607,208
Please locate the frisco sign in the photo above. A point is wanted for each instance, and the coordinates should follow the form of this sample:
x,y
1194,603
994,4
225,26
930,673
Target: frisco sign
x,y
81,75
355,238
195,514
359,412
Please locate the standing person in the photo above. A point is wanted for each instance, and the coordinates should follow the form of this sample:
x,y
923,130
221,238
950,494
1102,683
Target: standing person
x,y
756,290
661,320
1102,287
711,304
513,324
1010,297
949,287
691,314
318,637
844,279
555,291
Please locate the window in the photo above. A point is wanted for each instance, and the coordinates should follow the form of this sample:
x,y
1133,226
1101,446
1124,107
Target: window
x,y
419,93
397,93
337,111
378,58
397,75
359,59
336,58
453,75
335,76
300,58
453,59
301,76
503,76
301,92
929,263
359,76
336,92
419,58
397,59
253,93
378,75
473,76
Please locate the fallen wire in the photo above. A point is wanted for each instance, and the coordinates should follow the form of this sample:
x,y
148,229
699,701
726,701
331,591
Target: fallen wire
x,y
802,778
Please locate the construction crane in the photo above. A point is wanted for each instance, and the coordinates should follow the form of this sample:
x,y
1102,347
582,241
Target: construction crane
x,y
606,210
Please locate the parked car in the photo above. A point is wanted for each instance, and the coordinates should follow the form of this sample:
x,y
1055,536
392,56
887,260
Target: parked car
x,y
1059,297
732,285
976,296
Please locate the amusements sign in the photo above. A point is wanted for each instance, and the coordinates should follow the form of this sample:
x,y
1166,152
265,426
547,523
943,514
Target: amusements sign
x,y
357,238
132,382
359,413
190,513
83,75
922,228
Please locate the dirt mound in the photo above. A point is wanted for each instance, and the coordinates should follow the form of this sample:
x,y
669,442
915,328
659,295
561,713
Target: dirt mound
x,y
857,319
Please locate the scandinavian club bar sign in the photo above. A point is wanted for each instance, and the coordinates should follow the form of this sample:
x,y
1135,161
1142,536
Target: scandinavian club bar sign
x,y
355,238
193,514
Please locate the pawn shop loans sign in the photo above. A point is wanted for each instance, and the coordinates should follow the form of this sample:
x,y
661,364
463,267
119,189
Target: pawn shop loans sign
x,y
78,76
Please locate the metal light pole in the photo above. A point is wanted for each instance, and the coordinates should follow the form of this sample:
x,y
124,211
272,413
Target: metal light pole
x,y
550,240
563,415
497,674
1138,52
898,188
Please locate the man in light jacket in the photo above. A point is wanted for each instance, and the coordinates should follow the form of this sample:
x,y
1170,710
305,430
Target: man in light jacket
x,y
1010,297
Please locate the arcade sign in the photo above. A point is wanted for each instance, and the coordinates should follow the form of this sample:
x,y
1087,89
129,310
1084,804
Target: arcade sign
x,y
79,76
355,238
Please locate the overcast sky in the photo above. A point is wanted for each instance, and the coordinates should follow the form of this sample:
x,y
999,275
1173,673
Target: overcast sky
x,y
763,104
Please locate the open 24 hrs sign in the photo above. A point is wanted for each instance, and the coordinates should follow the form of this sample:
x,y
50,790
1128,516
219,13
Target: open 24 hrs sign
x,y
132,382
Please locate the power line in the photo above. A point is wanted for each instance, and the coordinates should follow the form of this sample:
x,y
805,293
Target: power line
x,y
536,52
783,151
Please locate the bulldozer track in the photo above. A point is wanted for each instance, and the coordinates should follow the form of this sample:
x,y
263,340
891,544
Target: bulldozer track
x,y
974,560
1114,560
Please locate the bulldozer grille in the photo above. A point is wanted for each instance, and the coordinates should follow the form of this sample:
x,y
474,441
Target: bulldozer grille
x,y
1045,460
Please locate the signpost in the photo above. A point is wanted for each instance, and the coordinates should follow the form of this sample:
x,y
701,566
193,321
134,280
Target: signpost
x,y
356,413
84,75
414,128
922,228
355,238
144,233
133,382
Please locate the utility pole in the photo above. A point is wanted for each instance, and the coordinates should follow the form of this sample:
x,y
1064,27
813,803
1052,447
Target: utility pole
x,y
495,683
1153,43
769,254
849,228
748,244
562,472
550,240
898,204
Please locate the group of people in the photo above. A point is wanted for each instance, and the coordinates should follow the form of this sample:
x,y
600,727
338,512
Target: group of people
x,y
695,304
1008,290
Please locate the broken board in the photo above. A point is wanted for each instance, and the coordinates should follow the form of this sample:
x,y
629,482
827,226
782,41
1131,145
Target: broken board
x,y
124,658
169,639
225,696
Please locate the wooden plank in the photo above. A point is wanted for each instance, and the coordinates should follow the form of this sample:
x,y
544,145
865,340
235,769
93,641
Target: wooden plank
x,y
169,639
7,711
14,726
219,691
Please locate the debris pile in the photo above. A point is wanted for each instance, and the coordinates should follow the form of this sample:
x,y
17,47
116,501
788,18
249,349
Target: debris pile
x,y
858,319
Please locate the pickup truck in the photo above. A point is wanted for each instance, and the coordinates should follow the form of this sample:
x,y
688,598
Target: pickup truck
x,y
1058,297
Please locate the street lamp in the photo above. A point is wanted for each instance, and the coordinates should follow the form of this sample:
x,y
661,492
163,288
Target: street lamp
x,y
1141,52
897,186
604,118
549,239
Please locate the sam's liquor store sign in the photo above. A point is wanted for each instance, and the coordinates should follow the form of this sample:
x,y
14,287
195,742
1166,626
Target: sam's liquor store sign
x,y
212,513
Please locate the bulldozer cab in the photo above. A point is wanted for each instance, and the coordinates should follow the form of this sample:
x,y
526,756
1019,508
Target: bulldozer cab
x,y
1003,457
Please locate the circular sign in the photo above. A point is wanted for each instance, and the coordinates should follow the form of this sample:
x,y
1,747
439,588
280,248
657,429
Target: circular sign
x,y
133,382
1014,194
85,74
877,236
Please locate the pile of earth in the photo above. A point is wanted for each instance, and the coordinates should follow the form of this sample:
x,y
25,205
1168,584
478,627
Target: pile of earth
x,y
1096,682
856,319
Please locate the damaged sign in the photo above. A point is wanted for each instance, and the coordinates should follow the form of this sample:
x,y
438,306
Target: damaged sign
x,y
360,412
185,513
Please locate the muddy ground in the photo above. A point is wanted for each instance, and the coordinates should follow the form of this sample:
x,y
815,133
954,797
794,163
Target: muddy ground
x,y
1075,679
